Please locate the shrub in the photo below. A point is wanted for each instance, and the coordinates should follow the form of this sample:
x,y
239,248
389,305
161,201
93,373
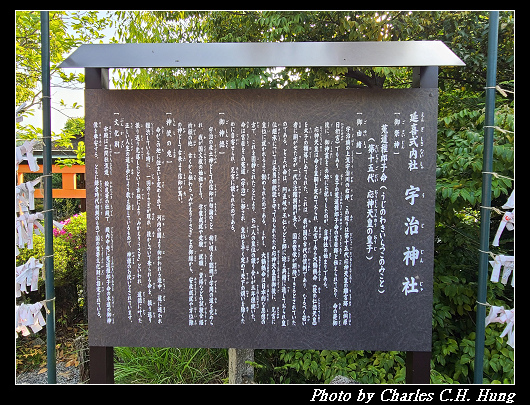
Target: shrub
x,y
69,246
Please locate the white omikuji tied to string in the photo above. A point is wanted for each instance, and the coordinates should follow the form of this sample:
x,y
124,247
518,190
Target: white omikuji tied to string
x,y
27,275
508,219
508,263
501,315
26,149
29,315
25,195
25,226
28,224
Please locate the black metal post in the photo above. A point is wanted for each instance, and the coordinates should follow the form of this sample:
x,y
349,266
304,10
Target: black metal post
x,y
425,77
96,78
418,365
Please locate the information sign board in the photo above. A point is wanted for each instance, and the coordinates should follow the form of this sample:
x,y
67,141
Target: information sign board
x,y
261,218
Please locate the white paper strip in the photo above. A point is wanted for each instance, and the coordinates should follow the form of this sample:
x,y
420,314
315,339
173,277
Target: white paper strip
x,y
25,226
508,222
501,260
510,327
26,149
495,315
27,275
24,195
500,315
28,315
511,201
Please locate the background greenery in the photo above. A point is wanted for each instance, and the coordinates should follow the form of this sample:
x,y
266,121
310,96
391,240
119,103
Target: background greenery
x,y
69,246
459,164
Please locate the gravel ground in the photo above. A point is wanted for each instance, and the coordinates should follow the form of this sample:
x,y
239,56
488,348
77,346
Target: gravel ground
x,y
65,375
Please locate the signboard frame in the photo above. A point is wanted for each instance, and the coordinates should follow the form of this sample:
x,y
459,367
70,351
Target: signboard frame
x,y
425,75
261,218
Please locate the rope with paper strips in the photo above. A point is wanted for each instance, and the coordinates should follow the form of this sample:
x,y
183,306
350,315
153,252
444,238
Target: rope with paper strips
x,y
507,316
508,219
496,313
500,314
27,275
27,315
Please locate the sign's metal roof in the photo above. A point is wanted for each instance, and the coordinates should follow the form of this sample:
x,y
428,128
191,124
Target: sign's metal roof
x,y
262,54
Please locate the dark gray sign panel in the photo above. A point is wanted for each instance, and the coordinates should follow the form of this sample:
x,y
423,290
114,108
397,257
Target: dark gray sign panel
x,y
261,218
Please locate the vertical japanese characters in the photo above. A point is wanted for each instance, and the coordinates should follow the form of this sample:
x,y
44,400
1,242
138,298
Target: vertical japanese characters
x,y
315,209
413,253
137,148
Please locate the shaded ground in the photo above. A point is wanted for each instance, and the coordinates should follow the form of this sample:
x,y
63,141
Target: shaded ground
x,y
31,355
65,375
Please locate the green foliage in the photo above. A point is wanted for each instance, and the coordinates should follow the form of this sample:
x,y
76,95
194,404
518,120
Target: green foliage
x,y
67,31
143,365
464,32
69,245
321,366
459,159
84,26
251,26
458,196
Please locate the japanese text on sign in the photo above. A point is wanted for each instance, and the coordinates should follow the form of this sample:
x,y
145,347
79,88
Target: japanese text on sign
x,y
296,219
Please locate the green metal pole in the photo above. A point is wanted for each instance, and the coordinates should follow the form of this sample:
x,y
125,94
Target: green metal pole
x,y
48,213
486,196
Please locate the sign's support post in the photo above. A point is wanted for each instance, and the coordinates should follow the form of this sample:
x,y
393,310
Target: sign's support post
x,y
239,371
101,357
101,364
418,364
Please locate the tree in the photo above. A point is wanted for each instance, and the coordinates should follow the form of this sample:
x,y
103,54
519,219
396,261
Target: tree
x,y
67,31
464,32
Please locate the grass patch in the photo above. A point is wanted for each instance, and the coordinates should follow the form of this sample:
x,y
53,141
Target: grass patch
x,y
155,365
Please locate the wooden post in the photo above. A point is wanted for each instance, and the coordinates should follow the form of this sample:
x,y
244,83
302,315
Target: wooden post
x,y
101,365
239,372
418,366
